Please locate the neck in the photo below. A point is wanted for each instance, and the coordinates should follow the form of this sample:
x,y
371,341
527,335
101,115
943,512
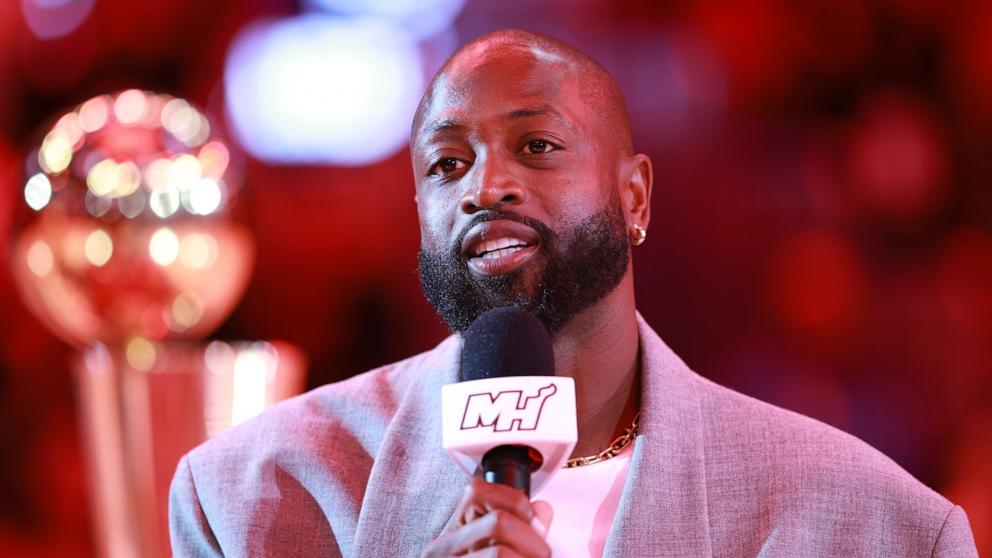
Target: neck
x,y
599,349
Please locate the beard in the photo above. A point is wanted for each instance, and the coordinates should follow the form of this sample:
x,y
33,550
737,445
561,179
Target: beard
x,y
571,272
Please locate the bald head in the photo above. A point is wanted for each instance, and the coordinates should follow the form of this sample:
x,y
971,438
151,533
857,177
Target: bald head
x,y
573,68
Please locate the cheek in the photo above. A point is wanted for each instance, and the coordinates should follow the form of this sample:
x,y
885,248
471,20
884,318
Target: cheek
x,y
436,221
429,239
578,196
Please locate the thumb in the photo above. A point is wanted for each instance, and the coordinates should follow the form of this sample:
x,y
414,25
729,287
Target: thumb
x,y
543,513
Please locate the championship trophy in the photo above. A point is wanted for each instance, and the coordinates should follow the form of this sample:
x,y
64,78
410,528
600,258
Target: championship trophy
x,y
126,246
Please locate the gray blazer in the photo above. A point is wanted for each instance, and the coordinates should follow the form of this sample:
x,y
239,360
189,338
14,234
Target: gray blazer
x,y
356,469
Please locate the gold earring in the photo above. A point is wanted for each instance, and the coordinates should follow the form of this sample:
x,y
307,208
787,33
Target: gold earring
x,y
638,235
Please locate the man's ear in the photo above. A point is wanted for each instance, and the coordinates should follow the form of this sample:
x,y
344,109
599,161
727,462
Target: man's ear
x,y
635,189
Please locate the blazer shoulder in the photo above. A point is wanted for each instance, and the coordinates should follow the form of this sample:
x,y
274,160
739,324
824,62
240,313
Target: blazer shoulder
x,y
301,468
356,411
761,437
775,467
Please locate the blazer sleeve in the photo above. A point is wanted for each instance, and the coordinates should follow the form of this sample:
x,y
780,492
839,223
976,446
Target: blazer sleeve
x,y
955,539
189,531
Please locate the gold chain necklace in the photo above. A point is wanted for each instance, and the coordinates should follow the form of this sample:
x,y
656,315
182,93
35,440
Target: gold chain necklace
x,y
612,450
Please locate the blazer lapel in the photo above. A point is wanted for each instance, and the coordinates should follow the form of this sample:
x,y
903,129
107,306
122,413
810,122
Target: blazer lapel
x,y
663,511
413,487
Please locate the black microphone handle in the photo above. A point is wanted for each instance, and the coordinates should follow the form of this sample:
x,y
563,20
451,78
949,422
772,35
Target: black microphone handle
x,y
509,465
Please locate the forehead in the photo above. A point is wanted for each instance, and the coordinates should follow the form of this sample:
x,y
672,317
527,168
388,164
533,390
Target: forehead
x,y
489,82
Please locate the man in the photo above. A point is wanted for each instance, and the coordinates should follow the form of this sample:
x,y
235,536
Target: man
x,y
530,195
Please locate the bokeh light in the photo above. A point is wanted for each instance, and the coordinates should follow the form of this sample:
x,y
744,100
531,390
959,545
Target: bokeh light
x,y
185,122
164,201
56,152
40,258
253,370
319,89
213,159
98,141
419,18
203,197
38,191
244,378
163,247
99,247
898,159
184,311
115,187
198,251
51,19
140,354
93,113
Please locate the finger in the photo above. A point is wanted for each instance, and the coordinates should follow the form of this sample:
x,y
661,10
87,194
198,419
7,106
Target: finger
x,y
503,528
497,551
481,497
498,528
543,513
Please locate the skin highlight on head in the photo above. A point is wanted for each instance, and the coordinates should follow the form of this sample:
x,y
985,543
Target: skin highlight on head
x,y
594,83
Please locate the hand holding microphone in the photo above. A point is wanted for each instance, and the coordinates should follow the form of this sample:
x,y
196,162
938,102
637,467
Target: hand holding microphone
x,y
513,420
494,520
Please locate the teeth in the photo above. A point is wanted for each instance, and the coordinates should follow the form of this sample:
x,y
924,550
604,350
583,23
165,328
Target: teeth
x,y
489,246
501,252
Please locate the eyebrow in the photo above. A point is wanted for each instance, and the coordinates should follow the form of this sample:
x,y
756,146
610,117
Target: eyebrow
x,y
447,125
543,110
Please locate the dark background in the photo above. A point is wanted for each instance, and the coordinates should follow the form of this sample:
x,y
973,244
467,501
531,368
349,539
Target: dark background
x,y
821,232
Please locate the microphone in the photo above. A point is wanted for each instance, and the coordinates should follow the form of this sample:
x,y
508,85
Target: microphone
x,y
509,414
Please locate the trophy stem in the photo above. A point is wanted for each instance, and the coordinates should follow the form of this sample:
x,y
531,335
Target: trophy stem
x,y
143,406
136,425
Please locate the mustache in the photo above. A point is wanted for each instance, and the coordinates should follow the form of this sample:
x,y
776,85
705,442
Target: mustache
x,y
544,232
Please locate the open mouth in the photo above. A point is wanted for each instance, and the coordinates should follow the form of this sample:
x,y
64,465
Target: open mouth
x,y
498,247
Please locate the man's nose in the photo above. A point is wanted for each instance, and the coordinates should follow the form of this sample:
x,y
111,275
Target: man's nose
x,y
493,186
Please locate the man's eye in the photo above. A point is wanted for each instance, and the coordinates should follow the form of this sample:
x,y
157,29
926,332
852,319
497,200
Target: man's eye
x,y
539,147
446,166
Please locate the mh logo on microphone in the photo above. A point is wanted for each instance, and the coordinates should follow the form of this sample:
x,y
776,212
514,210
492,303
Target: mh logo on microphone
x,y
505,411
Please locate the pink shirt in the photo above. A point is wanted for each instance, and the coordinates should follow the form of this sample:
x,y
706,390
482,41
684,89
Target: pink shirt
x,y
584,500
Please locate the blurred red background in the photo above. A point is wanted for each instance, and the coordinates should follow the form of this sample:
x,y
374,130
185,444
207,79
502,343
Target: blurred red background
x,y
821,234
